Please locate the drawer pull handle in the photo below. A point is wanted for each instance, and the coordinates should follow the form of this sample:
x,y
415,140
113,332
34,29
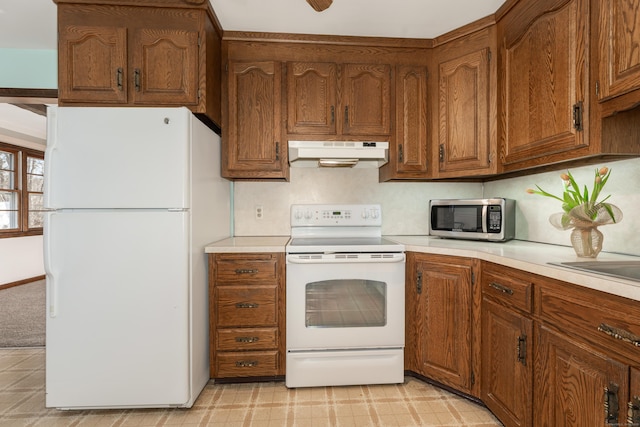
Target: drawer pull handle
x,y
247,305
633,415
611,409
501,288
246,364
247,339
620,334
246,271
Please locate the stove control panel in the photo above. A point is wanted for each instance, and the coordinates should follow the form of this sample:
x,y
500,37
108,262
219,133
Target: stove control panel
x,y
336,215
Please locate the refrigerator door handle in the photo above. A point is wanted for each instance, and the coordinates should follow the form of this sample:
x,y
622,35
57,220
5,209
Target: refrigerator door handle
x,y
52,288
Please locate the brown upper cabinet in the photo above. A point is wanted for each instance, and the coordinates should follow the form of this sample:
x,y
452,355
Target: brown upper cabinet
x,y
544,101
409,150
252,144
557,60
338,99
616,28
125,53
464,120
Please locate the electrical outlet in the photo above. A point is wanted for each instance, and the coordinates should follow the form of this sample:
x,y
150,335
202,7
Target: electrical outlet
x,y
259,212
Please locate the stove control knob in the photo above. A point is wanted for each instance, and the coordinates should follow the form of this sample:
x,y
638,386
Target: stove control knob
x,y
365,214
308,215
375,213
297,215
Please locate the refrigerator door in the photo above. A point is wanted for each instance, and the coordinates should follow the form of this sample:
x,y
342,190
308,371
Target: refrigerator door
x,y
117,158
117,330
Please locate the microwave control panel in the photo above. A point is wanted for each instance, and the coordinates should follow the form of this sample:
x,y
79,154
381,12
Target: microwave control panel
x,y
494,218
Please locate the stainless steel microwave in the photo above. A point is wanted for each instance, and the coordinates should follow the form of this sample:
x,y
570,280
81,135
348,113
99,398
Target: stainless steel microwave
x,y
477,219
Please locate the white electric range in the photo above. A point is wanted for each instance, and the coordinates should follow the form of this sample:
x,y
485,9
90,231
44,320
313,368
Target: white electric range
x,y
345,298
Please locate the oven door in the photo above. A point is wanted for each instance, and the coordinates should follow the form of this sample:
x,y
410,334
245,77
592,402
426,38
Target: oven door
x,y
345,301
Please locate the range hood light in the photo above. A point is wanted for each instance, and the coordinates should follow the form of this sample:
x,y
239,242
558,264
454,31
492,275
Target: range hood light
x,y
338,154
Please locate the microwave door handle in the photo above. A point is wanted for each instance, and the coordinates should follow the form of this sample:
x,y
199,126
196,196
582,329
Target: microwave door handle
x,y
485,209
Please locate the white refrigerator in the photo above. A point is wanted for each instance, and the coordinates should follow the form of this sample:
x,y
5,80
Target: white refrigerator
x,y
134,195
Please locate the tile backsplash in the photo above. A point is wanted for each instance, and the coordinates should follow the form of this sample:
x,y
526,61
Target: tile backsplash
x,y
405,204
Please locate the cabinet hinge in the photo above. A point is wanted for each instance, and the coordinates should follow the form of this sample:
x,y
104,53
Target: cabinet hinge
x,y
577,116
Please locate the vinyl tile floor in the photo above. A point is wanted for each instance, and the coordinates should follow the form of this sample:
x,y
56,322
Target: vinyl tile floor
x,y
413,403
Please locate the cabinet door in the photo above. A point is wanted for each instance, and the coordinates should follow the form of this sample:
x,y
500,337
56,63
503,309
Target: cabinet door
x,y
253,148
507,367
544,83
633,412
619,47
93,64
575,385
464,122
164,69
366,99
411,122
311,98
444,315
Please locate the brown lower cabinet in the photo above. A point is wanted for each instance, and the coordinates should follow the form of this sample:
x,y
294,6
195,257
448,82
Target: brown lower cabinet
x,y
442,326
246,312
507,336
537,351
557,354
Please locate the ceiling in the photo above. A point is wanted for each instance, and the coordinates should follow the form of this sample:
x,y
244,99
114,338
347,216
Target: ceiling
x,y
31,24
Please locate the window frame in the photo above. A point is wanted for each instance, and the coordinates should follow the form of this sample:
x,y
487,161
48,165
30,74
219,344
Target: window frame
x,y
21,155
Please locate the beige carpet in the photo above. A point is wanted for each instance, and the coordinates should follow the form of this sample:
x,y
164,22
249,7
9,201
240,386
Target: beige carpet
x,y
22,315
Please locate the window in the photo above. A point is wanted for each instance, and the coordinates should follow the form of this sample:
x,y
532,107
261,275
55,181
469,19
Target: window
x,y
21,186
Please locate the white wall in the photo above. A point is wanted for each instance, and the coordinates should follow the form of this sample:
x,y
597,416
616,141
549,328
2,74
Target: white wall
x,y
533,211
20,258
404,205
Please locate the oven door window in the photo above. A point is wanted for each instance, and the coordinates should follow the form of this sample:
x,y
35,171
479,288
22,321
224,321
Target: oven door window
x,y
345,303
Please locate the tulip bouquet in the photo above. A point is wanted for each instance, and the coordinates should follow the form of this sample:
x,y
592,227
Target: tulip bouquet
x,y
583,212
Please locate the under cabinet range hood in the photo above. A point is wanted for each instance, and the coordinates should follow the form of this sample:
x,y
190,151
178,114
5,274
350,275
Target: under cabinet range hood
x,y
338,154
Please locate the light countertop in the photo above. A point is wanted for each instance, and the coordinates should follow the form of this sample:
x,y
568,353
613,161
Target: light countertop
x,y
248,244
527,256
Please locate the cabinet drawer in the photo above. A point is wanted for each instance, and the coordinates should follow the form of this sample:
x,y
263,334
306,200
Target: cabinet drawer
x,y
246,306
503,287
607,320
246,268
247,339
247,364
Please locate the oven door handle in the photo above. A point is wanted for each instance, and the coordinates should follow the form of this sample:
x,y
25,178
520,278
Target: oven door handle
x,y
323,259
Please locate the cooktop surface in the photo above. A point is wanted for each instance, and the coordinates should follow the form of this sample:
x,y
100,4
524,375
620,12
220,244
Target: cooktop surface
x,y
343,244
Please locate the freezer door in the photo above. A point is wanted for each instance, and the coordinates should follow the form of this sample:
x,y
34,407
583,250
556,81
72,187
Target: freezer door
x,y
117,329
117,158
